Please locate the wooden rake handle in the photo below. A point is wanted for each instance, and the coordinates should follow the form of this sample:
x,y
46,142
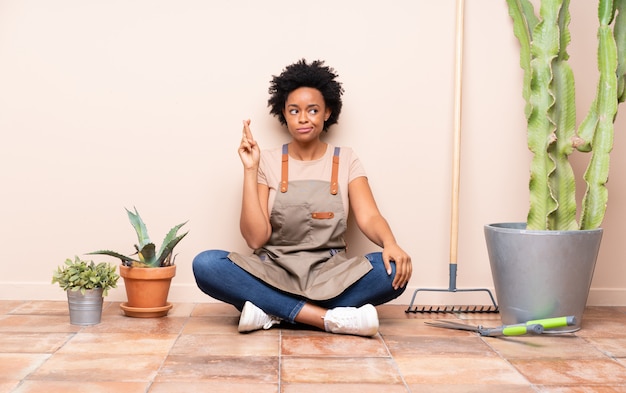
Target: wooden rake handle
x,y
456,164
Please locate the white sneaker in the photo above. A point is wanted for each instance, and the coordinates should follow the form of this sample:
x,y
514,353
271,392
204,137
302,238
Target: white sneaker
x,y
253,318
362,321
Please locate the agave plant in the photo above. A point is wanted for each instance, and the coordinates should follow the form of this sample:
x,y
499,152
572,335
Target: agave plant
x,y
146,255
548,89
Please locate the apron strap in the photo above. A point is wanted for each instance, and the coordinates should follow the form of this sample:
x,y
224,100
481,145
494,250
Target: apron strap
x,y
334,178
284,171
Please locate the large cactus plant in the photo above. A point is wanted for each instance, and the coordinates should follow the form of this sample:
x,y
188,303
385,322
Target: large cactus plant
x,y
548,89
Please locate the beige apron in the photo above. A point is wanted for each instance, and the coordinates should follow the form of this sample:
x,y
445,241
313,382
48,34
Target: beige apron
x,y
305,254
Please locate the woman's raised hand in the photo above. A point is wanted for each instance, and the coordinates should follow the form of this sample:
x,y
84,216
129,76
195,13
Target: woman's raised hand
x,y
249,151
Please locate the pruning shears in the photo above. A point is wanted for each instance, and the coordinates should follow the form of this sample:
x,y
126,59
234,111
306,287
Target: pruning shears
x,y
537,326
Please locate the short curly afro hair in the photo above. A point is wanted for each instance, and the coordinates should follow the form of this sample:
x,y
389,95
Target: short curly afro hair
x,y
300,74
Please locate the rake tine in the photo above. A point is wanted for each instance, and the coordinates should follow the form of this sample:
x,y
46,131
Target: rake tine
x,y
451,309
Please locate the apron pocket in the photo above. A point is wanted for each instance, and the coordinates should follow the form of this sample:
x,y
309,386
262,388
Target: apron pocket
x,y
291,224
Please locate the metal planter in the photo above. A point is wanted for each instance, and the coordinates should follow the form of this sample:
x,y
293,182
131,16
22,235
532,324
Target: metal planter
x,y
541,274
85,309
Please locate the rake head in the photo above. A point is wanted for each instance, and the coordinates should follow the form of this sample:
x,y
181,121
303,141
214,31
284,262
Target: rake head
x,y
453,309
493,308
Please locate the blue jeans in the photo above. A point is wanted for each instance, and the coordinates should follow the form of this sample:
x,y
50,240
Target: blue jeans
x,y
220,278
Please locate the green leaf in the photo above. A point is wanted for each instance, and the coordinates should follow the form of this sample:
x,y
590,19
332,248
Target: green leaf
x,y
169,248
169,242
147,255
124,258
140,228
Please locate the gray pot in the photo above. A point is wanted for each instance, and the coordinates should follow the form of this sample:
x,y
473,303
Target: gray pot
x,y
541,274
85,309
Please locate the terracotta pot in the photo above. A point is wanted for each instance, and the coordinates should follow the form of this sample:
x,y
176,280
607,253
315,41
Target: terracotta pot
x,y
147,290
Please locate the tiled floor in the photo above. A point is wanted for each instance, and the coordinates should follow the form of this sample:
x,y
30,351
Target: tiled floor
x,y
197,348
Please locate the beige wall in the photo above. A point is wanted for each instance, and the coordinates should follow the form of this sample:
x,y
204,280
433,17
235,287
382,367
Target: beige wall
x,y
113,104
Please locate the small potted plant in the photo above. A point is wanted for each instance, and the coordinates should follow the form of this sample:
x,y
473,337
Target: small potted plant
x,y
147,273
85,284
544,267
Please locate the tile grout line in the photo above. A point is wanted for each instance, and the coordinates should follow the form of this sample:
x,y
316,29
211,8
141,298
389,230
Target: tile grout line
x,y
280,360
180,333
395,364
603,352
71,335
11,311
609,356
532,385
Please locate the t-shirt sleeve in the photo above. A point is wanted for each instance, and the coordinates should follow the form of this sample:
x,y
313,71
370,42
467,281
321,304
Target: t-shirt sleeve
x,y
261,176
356,167
267,168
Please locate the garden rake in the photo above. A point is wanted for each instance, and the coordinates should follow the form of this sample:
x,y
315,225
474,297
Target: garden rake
x,y
455,195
